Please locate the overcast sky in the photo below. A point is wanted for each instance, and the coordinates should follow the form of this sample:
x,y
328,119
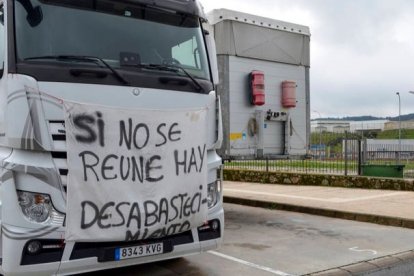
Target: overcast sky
x,y
362,51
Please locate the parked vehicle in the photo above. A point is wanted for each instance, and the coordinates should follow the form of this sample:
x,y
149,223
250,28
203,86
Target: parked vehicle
x,y
76,197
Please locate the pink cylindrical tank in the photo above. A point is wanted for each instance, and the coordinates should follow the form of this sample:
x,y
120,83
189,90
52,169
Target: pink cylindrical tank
x,y
289,94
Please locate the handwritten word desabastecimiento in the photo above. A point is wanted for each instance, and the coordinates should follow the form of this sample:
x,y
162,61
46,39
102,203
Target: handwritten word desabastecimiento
x,y
138,217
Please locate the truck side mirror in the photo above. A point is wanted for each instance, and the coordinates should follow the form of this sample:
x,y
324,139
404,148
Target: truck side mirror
x,y
212,53
34,14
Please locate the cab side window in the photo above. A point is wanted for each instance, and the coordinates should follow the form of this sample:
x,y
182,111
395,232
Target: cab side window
x,y
187,53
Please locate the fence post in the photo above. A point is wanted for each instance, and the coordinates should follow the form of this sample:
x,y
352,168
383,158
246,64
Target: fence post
x,y
365,152
267,164
346,153
359,156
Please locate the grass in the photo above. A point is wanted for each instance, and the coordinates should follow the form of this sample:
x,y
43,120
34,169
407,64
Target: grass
x,y
393,134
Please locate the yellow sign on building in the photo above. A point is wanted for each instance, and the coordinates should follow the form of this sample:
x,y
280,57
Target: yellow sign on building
x,y
236,136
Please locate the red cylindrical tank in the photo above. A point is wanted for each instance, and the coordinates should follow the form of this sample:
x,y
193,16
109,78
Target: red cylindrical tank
x,y
257,87
289,94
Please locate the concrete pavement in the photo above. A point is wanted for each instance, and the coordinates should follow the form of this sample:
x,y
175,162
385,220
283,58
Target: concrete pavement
x,y
395,208
264,242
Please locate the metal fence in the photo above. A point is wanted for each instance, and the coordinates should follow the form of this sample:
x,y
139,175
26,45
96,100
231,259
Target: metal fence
x,y
339,154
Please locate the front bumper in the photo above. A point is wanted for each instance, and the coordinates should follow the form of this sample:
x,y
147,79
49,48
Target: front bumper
x,y
74,258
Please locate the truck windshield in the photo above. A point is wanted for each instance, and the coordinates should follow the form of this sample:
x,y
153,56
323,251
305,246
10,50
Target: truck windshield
x,y
126,35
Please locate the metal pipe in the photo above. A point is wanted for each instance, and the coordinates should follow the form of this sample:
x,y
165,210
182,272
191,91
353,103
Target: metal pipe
x,y
399,127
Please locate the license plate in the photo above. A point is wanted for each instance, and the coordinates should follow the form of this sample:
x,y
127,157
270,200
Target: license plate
x,y
138,251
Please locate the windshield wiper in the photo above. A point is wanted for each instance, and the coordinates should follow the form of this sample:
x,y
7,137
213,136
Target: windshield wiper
x,y
92,59
173,68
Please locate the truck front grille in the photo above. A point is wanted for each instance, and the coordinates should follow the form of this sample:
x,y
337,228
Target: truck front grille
x,y
59,155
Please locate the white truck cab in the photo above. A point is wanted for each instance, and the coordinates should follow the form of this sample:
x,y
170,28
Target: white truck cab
x,y
144,56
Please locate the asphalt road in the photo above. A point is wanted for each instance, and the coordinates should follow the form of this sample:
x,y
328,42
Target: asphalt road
x,y
268,242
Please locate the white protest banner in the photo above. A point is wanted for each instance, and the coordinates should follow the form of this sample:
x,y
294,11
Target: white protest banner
x,y
134,174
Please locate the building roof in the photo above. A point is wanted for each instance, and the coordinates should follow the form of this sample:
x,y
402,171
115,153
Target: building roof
x,y
219,15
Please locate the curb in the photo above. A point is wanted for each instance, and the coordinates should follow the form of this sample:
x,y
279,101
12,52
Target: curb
x,y
377,219
370,266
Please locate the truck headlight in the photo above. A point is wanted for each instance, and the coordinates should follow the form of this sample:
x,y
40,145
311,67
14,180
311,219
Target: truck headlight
x,y
212,194
36,207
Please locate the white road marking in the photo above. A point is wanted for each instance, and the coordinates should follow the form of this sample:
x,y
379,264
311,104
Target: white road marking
x,y
344,200
264,268
373,252
333,200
